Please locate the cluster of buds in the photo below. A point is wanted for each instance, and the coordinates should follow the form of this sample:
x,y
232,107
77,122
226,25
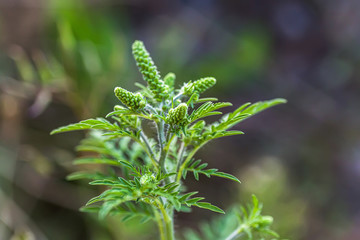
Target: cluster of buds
x,y
149,71
134,101
178,115
199,86
147,179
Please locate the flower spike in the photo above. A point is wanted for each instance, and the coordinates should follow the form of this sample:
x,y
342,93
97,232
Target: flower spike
x,y
178,115
199,86
149,71
135,101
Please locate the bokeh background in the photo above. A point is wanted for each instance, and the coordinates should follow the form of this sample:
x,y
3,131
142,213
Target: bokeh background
x,y
61,59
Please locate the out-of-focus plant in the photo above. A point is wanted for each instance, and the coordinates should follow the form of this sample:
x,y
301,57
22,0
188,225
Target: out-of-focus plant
x,y
268,179
150,167
248,224
85,55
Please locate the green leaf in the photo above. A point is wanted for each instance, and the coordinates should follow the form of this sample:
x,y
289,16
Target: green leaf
x,y
226,175
98,123
200,100
209,206
96,161
90,209
245,111
84,175
107,207
186,196
207,109
198,168
192,201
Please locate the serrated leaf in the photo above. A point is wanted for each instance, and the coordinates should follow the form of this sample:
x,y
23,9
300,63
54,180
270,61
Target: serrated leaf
x,y
197,168
207,109
98,123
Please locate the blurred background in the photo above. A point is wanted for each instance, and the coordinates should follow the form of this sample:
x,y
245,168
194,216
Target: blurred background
x,y
61,59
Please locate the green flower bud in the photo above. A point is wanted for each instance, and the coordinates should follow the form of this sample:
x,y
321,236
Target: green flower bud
x,y
178,115
169,79
147,179
199,86
266,221
134,101
149,71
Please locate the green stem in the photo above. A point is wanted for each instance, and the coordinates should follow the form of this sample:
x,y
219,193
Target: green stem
x,y
161,143
182,166
169,226
236,233
178,96
160,224
181,156
147,148
169,141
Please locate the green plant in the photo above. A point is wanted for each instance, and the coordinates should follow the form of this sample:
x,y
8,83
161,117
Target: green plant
x,y
146,167
239,222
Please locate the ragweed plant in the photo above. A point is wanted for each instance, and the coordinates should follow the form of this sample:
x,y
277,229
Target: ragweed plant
x,y
147,169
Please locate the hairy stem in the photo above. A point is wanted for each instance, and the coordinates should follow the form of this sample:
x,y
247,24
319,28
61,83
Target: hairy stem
x,y
162,142
148,148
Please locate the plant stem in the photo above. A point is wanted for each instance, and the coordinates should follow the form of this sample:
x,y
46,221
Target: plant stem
x,y
181,155
160,224
236,233
148,148
168,142
161,143
183,164
168,221
177,96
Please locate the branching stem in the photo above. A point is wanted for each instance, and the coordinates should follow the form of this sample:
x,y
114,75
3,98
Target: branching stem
x,y
179,95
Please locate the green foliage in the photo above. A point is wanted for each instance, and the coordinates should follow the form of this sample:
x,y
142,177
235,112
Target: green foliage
x,y
240,223
197,168
142,171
